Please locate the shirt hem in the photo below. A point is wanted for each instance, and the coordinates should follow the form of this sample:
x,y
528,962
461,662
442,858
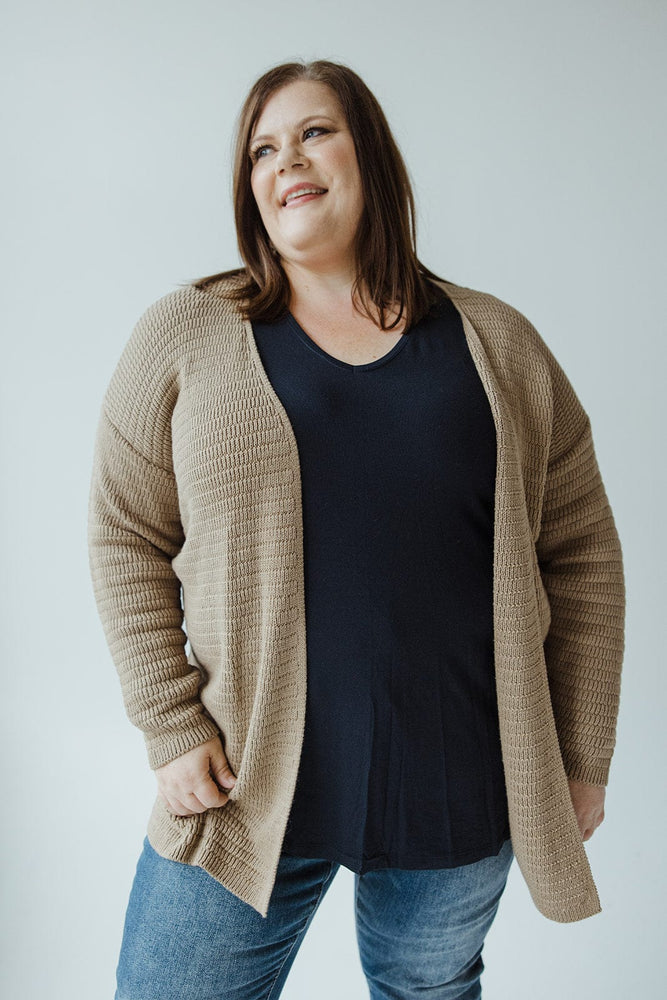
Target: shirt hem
x,y
412,863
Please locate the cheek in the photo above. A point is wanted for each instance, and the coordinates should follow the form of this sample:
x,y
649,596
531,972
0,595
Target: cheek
x,y
261,192
346,166
353,188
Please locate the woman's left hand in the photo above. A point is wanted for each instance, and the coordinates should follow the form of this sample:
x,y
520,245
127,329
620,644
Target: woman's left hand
x,y
588,802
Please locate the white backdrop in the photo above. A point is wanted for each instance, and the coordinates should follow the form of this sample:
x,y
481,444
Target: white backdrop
x,y
534,133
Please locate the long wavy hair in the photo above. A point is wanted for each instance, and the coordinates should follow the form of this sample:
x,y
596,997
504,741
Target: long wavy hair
x,y
388,271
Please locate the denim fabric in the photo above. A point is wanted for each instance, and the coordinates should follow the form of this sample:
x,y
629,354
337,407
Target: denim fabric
x,y
420,933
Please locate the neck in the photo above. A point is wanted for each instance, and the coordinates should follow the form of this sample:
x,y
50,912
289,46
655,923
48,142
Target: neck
x,y
327,291
323,284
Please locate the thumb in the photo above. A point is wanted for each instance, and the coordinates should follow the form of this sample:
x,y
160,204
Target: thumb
x,y
221,770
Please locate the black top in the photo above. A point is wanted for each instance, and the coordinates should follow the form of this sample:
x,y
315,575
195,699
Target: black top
x,y
401,764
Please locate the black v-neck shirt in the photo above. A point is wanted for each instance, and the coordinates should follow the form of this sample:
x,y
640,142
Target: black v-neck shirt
x,y
401,764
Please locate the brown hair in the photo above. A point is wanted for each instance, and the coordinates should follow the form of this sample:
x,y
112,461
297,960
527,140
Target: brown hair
x,y
388,270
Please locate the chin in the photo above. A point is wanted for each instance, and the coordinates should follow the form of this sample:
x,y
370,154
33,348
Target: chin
x,y
316,249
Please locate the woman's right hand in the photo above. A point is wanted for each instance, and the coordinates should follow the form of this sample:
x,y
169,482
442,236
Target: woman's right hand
x,y
190,783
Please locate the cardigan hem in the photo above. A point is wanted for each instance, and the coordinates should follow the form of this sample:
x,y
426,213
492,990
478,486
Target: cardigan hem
x,y
217,841
578,909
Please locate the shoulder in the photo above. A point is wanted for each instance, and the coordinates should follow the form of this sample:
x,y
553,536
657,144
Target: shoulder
x,y
492,313
501,326
171,331
531,376
170,327
165,321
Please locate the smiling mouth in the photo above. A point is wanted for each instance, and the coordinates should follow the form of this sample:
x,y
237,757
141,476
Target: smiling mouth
x,y
304,195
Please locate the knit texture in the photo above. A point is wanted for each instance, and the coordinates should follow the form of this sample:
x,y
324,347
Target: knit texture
x,y
195,523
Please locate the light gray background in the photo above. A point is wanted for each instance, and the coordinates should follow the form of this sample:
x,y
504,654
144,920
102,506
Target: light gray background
x,y
535,137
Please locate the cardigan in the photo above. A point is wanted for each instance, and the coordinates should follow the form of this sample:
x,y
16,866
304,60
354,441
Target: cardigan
x,y
195,538
401,762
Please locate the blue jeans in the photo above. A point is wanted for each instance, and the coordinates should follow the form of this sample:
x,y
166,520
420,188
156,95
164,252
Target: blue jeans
x,y
420,933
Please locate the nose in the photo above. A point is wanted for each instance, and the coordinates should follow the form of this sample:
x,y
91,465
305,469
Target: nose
x,y
290,154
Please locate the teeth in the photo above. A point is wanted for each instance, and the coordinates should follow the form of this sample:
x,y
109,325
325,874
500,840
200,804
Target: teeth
x,y
302,191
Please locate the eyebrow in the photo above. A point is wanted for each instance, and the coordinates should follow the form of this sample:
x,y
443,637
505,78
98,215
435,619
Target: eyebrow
x,y
300,125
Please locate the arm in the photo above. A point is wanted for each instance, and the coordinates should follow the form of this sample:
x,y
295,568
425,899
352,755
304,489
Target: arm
x,y
134,531
580,561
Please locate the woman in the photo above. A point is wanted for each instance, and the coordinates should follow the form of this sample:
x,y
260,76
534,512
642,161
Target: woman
x,y
401,579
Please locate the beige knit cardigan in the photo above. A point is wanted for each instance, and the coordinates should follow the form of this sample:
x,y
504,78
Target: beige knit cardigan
x,y
195,523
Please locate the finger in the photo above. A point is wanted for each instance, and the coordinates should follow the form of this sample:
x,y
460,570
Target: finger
x,y
176,807
221,771
192,801
209,794
595,823
591,827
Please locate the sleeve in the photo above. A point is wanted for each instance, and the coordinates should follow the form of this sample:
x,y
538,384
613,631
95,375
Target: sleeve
x,y
580,560
134,532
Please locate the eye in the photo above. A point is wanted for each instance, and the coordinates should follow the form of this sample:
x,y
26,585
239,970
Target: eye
x,y
257,153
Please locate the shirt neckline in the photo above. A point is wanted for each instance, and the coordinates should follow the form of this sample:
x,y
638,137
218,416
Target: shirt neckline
x,y
310,343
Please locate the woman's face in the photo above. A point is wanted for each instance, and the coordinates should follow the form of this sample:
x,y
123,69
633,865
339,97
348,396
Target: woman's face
x,y
301,141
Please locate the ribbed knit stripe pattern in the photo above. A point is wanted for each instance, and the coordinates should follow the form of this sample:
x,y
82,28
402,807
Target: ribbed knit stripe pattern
x,y
195,523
